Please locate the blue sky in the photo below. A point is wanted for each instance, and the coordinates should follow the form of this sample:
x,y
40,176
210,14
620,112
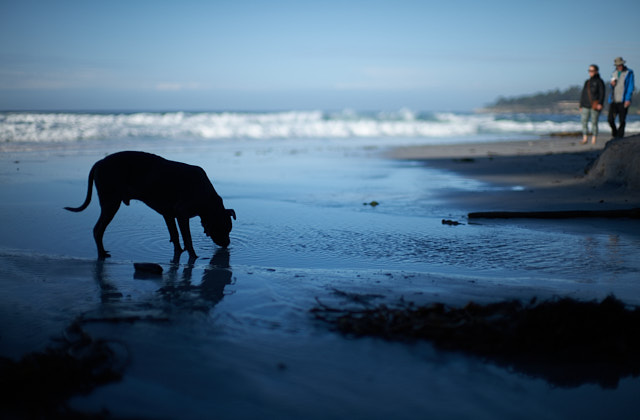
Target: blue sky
x,y
280,55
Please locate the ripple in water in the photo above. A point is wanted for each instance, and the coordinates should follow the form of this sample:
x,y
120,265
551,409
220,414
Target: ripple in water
x,y
291,235
274,234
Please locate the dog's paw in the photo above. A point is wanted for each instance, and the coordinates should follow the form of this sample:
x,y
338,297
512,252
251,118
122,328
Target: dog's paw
x,y
104,255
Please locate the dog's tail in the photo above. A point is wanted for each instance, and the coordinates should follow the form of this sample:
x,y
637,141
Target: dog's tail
x,y
89,190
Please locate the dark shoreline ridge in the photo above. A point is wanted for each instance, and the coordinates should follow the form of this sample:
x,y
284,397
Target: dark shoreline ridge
x,y
567,214
545,175
617,166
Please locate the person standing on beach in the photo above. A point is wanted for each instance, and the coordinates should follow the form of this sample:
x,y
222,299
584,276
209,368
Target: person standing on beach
x,y
620,96
591,101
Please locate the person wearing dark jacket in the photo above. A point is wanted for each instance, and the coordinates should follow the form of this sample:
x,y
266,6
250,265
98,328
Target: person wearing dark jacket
x,y
591,101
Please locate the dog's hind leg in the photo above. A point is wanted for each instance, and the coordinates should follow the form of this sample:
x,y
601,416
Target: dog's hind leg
x,y
175,238
108,210
186,236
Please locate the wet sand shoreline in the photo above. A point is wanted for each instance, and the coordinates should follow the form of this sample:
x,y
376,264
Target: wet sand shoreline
x,y
542,175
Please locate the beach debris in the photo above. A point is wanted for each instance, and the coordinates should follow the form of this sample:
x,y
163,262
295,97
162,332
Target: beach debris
x,y
363,299
148,268
564,341
371,203
566,134
451,222
110,296
40,384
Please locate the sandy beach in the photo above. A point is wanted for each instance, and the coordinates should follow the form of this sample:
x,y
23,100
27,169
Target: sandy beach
x,y
232,334
542,175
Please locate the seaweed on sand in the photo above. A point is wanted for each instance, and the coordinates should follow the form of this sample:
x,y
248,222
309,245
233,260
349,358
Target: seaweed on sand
x,y
40,384
565,341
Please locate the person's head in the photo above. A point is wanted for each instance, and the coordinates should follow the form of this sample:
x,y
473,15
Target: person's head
x,y
619,63
593,70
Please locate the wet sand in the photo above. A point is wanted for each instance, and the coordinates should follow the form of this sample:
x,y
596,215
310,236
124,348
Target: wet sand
x,y
231,335
541,175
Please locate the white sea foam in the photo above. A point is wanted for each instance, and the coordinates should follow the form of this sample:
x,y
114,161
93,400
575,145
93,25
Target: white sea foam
x,y
39,127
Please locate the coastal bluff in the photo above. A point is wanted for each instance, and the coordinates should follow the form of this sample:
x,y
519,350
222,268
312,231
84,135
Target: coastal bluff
x,y
618,164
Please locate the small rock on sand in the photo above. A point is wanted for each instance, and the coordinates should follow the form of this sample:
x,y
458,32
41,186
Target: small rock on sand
x,y
148,268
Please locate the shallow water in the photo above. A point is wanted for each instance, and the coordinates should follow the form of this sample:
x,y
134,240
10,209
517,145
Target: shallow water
x,y
306,209
231,333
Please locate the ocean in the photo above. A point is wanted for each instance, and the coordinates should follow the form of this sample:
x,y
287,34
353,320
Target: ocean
x,y
28,129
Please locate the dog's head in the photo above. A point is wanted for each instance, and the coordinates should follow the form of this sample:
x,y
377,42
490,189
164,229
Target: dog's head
x,y
218,225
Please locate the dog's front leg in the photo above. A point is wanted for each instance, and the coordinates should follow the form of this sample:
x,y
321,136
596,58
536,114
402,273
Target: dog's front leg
x,y
183,222
173,233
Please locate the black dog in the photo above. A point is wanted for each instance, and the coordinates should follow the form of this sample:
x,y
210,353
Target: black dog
x,y
173,189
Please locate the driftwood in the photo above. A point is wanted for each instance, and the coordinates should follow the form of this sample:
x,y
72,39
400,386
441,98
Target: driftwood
x,y
569,214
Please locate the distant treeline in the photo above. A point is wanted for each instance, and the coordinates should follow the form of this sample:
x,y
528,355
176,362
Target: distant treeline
x,y
542,99
551,101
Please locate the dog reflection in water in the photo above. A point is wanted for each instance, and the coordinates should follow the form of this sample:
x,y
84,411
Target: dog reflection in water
x,y
177,288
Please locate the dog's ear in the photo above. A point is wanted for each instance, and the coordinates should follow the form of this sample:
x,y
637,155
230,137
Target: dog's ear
x,y
231,213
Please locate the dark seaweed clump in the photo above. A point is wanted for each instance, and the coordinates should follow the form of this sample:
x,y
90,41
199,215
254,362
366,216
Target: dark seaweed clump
x,y
565,341
40,384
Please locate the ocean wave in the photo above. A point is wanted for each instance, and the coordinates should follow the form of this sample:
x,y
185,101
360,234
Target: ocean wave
x,y
68,127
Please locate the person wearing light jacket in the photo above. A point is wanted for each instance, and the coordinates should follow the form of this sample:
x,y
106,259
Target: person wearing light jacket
x,y
622,87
